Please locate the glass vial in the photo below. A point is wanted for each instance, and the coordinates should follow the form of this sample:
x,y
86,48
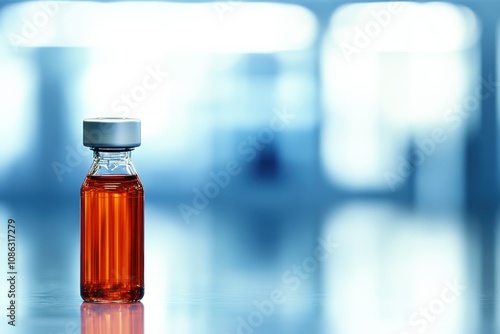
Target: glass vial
x,y
112,214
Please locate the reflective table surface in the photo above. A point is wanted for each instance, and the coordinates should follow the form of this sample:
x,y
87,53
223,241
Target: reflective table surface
x,y
358,267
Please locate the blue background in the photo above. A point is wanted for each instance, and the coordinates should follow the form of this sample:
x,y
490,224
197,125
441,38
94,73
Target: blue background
x,y
309,166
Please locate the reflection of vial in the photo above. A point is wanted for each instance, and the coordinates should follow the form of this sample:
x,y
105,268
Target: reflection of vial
x,y
112,214
124,318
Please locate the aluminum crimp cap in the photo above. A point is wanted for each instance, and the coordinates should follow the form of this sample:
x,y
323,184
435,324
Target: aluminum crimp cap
x,y
111,132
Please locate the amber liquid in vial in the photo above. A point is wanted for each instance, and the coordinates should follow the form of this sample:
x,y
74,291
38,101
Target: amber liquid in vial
x,y
112,238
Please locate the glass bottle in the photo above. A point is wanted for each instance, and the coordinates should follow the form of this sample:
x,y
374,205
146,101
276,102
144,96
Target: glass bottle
x,y
112,214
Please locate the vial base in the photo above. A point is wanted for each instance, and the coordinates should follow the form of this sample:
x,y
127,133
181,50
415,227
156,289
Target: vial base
x,y
111,293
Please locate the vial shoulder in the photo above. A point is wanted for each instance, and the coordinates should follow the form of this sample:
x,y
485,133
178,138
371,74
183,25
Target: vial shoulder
x,y
112,183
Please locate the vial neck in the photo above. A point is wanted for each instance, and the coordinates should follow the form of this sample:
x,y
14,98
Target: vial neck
x,y
105,155
112,162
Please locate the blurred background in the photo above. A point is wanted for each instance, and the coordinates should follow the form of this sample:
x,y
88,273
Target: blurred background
x,y
309,166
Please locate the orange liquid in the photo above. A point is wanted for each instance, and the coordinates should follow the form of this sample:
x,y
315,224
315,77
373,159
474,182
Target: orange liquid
x,y
112,239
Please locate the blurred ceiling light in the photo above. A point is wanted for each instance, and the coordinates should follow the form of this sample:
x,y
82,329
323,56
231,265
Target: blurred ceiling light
x,y
405,27
223,27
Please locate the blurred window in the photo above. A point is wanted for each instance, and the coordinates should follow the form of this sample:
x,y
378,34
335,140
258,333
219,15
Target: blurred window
x,y
394,74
